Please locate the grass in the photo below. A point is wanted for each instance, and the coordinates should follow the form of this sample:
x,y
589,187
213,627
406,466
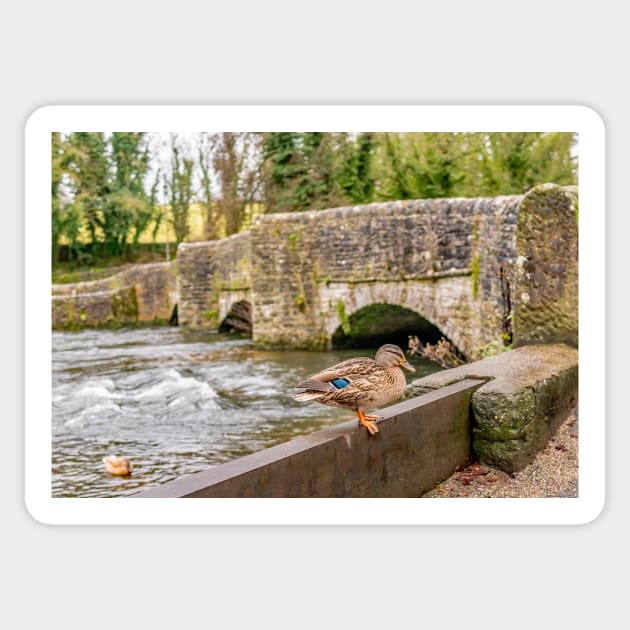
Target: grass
x,y
91,267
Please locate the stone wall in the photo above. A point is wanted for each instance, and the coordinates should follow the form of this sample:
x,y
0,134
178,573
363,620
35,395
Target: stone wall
x,y
530,391
546,279
486,272
500,411
138,293
420,442
440,258
98,308
213,276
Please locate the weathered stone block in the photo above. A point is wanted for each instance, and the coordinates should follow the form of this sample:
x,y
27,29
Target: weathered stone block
x,y
101,308
138,293
546,279
213,276
529,392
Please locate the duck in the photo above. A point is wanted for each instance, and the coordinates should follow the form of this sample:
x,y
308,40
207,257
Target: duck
x,y
360,384
115,465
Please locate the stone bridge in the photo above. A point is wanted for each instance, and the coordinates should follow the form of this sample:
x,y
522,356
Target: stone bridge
x,y
480,271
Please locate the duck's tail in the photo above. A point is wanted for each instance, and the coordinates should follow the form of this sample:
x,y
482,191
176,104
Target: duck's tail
x,y
312,390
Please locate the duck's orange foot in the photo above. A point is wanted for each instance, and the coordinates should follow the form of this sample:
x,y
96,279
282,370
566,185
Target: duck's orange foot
x,y
368,422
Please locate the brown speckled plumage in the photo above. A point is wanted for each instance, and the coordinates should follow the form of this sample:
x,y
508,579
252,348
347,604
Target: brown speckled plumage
x,y
373,382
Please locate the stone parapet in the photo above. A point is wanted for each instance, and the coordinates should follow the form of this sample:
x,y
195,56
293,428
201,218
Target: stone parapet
x,y
213,275
528,393
138,293
420,442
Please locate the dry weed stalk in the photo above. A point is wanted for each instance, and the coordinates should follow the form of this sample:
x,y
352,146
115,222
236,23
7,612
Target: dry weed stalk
x,y
443,352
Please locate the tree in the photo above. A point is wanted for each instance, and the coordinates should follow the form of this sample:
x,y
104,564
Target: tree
x,y
128,208
205,149
238,178
65,220
282,166
513,162
89,172
355,175
313,170
441,164
421,165
179,188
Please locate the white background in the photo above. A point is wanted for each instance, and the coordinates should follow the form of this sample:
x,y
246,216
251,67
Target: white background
x,y
581,120
393,53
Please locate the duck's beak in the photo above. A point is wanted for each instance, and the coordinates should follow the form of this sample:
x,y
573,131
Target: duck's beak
x,y
404,363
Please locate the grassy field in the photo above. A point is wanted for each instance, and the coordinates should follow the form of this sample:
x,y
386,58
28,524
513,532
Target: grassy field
x,y
92,268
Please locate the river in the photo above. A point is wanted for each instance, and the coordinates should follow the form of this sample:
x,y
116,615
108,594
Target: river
x,y
175,403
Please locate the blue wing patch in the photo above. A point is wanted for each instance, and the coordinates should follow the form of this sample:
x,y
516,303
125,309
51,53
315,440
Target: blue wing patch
x,y
340,383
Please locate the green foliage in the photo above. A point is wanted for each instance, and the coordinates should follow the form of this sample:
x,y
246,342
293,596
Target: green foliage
x,y
315,170
475,275
211,315
430,165
514,162
211,219
103,201
132,209
421,165
295,238
179,186
343,317
97,186
90,175
354,174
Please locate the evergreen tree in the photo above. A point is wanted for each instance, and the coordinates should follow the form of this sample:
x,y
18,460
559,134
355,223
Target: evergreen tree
x,y
362,190
514,162
353,168
284,165
440,164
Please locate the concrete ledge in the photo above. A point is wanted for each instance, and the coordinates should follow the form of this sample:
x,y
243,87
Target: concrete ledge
x,y
420,442
529,392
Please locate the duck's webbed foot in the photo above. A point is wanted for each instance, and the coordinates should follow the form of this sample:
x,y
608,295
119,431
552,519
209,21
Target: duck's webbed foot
x,y
368,422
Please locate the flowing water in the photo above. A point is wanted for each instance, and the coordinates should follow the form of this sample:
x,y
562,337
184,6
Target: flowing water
x,y
175,403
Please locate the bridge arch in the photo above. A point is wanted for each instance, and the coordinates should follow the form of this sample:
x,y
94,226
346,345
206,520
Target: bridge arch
x,y
237,317
380,323
443,308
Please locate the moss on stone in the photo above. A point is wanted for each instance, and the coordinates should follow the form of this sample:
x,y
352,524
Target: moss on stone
x,y
212,317
475,275
343,317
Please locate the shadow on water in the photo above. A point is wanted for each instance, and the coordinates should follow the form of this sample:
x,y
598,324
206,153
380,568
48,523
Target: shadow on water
x,y
174,402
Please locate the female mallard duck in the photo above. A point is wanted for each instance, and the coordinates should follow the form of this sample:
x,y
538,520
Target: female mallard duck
x,y
115,465
359,384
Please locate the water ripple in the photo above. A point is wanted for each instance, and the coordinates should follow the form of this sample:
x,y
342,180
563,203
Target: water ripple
x,y
174,402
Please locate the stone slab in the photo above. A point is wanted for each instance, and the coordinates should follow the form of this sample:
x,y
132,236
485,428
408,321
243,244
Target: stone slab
x,y
529,391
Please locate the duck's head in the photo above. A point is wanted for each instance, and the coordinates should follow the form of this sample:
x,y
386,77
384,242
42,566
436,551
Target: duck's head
x,y
390,355
117,465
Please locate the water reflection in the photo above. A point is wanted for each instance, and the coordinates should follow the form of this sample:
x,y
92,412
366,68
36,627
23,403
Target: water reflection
x,y
174,402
